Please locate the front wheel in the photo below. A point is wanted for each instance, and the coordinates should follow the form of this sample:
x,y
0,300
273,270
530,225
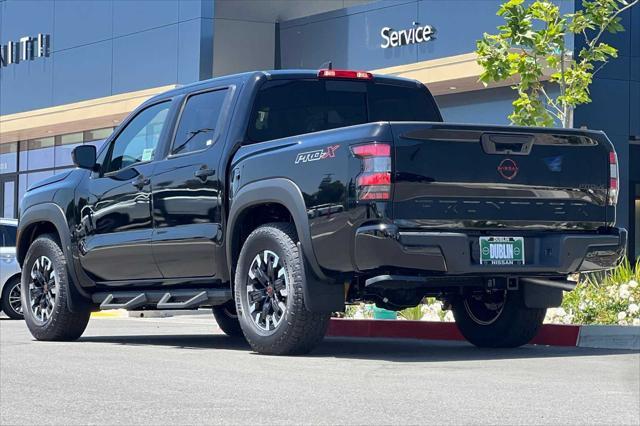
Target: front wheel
x,y
269,294
496,319
45,294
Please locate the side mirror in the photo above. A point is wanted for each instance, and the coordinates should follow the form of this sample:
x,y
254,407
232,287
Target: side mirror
x,y
84,157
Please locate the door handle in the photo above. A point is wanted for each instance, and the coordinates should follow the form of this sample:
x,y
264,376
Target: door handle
x,y
204,172
140,182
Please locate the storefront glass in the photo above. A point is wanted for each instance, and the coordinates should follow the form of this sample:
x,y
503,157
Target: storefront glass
x,y
637,222
64,145
8,157
24,163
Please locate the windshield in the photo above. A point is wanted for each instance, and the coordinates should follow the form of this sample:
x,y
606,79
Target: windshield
x,y
292,107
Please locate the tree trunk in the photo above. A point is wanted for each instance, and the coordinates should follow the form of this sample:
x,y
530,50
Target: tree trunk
x,y
568,117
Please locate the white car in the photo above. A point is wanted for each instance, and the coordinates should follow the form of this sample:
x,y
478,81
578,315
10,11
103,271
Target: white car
x,y
10,290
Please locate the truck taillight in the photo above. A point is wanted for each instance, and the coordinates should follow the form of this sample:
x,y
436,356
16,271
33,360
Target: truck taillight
x,y
614,189
359,75
374,181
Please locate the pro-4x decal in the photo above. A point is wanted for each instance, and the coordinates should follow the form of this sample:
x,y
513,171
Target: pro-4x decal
x,y
318,154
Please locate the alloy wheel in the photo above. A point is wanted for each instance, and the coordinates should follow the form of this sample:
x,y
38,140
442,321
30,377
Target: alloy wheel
x,y
43,289
267,291
15,298
485,309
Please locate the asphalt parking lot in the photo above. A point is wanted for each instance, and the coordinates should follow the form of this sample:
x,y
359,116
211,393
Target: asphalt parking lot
x,y
182,370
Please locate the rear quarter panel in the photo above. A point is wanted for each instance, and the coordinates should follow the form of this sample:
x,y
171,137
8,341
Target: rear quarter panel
x,y
322,166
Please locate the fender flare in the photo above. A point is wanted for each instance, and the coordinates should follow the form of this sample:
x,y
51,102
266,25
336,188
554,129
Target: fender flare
x,y
52,213
280,191
321,293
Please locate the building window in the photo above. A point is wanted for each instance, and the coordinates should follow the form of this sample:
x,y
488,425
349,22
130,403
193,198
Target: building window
x,y
94,135
64,145
97,137
8,157
25,163
37,154
9,198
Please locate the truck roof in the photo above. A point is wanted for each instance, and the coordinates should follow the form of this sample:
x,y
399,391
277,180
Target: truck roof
x,y
270,75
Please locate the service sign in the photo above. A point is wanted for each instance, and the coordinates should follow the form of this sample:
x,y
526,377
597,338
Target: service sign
x,y
416,34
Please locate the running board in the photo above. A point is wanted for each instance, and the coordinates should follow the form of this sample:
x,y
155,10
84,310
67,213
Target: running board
x,y
162,299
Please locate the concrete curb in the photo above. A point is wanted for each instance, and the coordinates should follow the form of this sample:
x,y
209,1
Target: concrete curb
x,y
593,336
609,336
114,313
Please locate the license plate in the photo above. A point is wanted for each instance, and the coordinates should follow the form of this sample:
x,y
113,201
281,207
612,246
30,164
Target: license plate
x,y
501,250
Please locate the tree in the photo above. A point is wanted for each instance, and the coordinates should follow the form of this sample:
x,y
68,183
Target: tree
x,y
531,46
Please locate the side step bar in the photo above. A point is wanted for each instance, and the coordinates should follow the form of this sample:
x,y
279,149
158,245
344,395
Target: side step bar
x,y
162,299
134,302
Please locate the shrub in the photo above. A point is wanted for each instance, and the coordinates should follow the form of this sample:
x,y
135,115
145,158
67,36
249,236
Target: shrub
x,y
611,297
412,314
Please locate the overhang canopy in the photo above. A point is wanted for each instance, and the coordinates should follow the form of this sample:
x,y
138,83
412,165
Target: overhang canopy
x,y
75,117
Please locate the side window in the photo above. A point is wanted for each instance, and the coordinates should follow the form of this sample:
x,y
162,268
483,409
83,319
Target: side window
x,y
198,122
139,140
7,236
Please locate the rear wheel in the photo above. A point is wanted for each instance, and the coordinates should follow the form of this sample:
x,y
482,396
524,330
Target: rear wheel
x,y
269,292
227,319
12,298
497,319
45,288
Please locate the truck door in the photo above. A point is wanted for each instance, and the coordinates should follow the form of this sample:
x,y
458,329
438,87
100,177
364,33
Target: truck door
x,y
115,212
186,190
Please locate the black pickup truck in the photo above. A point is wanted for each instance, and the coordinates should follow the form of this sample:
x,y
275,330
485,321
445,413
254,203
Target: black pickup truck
x,y
277,197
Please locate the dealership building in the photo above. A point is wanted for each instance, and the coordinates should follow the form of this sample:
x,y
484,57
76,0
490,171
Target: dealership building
x,y
70,70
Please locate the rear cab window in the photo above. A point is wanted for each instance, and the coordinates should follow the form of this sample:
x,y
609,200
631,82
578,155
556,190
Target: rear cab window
x,y
198,122
286,108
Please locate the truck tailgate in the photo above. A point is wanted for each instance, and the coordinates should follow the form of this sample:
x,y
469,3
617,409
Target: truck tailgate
x,y
492,177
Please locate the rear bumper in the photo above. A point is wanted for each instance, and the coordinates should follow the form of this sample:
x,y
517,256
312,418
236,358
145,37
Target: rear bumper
x,y
453,253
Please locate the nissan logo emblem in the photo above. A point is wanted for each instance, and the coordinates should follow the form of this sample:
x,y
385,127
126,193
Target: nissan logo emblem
x,y
508,168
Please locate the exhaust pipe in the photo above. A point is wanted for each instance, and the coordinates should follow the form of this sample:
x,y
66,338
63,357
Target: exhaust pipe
x,y
563,285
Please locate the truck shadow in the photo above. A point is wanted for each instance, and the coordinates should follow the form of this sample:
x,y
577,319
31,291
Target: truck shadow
x,y
395,350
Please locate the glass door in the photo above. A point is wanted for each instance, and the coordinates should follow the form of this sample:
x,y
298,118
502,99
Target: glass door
x,y
8,196
635,228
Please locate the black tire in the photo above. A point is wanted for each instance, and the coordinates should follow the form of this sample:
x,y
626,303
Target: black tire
x,y
298,330
6,293
62,324
514,325
227,319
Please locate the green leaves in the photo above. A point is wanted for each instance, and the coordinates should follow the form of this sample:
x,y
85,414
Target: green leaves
x,y
531,46
530,110
600,53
